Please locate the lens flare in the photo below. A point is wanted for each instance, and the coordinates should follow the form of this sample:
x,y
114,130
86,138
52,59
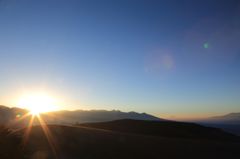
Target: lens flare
x,y
206,45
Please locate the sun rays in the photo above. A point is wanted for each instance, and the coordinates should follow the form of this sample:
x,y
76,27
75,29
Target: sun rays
x,y
36,118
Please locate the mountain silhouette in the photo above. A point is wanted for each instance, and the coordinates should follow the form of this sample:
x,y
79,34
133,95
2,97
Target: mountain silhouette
x,y
83,116
11,116
229,122
231,118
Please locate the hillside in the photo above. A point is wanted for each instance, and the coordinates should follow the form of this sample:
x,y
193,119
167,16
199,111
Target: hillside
x,y
10,144
91,143
163,129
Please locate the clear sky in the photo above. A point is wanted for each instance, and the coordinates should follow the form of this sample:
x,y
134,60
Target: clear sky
x,y
173,59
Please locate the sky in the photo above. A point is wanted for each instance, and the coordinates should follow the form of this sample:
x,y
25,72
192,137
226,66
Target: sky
x,y
171,58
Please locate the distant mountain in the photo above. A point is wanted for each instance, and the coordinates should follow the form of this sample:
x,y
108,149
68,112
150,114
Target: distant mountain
x,y
13,116
232,118
82,116
10,115
229,122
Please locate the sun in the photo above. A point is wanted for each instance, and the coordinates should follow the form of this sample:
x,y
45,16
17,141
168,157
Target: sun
x,y
37,103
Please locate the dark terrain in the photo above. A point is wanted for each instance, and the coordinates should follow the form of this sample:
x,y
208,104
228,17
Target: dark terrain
x,y
118,139
10,144
90,142
163,129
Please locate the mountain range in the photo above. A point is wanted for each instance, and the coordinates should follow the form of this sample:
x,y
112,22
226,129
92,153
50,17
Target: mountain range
x,y
231,118
229,122
12,116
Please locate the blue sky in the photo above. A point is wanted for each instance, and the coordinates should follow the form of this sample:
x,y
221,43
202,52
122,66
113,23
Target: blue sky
x,y
169,58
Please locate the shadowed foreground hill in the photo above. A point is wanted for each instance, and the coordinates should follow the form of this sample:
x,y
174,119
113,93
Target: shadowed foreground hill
x,y
10,144
163,129
74,142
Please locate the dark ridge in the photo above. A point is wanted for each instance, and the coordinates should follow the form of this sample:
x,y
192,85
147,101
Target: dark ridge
x,y
164,129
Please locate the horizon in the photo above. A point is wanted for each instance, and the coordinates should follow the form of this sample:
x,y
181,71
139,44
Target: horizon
x,y
171,59
167,117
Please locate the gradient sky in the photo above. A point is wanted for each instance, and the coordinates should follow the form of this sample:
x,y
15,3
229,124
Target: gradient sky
x,y
173,59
